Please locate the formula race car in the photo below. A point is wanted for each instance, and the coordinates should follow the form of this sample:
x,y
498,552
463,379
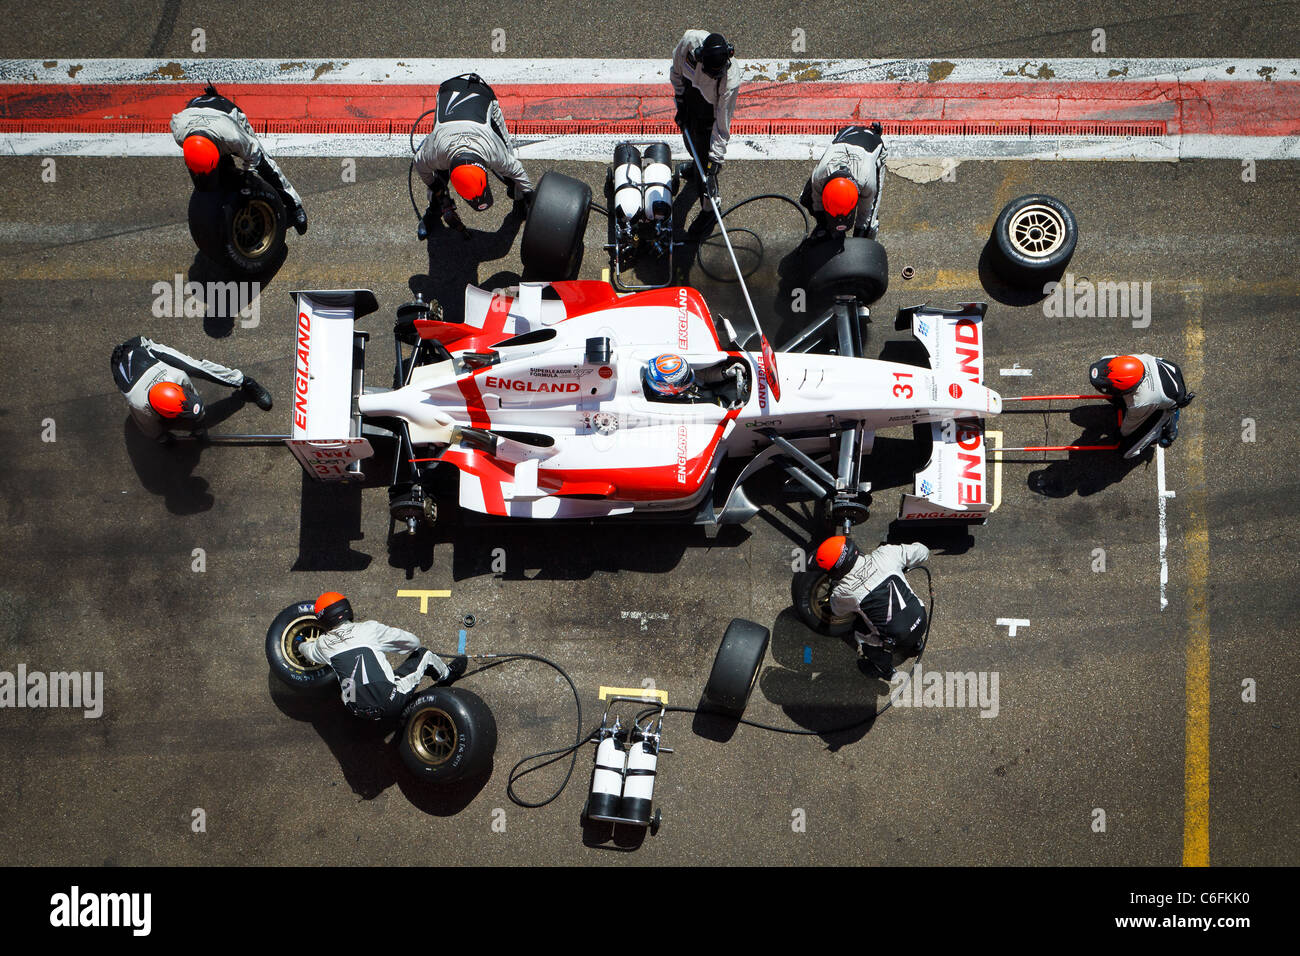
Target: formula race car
x,y
542,403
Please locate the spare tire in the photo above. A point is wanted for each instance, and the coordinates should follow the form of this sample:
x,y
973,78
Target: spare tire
x,y
292,626
448,734
551,247
810,592
735,668
1033,240
855,266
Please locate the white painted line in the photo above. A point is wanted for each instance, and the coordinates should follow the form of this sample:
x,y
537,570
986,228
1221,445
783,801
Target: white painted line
x,y
645,617
1011,624
1162,496
1016,370
1165,70
589,148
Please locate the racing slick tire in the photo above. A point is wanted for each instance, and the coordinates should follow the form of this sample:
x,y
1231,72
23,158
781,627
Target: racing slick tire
x,y
811,591
1033,240
735,668
857,267
448,734
244,228
551,247
292,626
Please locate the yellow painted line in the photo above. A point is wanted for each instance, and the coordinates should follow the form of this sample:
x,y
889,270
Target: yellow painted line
x,y
997,468
604,274
424,597
641,692
1196,766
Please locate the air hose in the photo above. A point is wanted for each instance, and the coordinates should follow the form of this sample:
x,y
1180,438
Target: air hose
x,y
571,750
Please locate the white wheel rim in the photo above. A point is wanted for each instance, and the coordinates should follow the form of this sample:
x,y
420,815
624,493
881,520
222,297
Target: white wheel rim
x,y
1036,231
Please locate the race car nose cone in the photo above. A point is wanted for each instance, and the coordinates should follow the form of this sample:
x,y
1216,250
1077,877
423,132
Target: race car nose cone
x,y
995,402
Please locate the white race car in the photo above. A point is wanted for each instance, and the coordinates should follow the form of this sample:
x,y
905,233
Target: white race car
x,y
541,403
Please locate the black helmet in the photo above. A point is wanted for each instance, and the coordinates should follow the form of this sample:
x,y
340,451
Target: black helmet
x,y
332,609
714,54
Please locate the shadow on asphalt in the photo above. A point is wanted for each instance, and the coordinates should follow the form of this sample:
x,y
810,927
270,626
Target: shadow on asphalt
x,y
366,752
329,521
454,262
204,270
166,470
1085,473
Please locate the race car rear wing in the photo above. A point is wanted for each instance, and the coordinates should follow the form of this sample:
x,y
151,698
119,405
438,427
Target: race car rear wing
x,y
954,485
329,371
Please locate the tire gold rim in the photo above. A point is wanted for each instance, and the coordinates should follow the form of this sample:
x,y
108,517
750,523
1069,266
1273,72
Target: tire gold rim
x,y
1036,231
433,737
821,603
253,228
302,629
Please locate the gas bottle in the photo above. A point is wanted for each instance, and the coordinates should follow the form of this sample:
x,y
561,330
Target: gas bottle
x,y
657,174
607,779
639,781
627,180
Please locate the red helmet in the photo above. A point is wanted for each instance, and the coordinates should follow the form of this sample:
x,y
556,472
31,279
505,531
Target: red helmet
x,y
1119,374
836,555
201,154
169,400
469,179
333,608
840,196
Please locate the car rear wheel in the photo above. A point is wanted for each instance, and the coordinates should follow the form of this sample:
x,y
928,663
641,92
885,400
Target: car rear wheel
x,y
811,593
551,247
292,626
853,266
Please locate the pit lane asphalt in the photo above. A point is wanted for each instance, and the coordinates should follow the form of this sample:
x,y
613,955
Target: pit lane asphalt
x,y
96,569
102,526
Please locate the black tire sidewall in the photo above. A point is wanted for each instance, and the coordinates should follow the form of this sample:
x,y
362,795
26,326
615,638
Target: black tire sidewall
x,y
802,587
476,735
289,674
255,189
849,266
735,667
1023,270
552,244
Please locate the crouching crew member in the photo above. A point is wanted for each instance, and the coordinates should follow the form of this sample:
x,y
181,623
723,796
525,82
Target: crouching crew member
x,y
212,130
1151,392
156,382
705,84
890,618
468,141
356,649
844,189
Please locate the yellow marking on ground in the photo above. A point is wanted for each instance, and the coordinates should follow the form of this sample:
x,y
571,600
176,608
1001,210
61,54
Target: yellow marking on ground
x,y
1196,766
604,274
424,597
997,467
639,692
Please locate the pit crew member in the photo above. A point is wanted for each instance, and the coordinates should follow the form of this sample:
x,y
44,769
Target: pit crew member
x,y
889,616
705,84
843,191
212,130
1144,386
356,649
156,382
468,141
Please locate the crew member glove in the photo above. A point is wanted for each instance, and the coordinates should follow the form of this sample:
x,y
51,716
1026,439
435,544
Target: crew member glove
x,y
875,127
711,184
680,116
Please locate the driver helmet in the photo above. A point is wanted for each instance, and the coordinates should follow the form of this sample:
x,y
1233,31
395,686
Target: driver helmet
x,y
837,555
469,179
173,401
1118,375
840,200
201,154
714,55
332,609
669,374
